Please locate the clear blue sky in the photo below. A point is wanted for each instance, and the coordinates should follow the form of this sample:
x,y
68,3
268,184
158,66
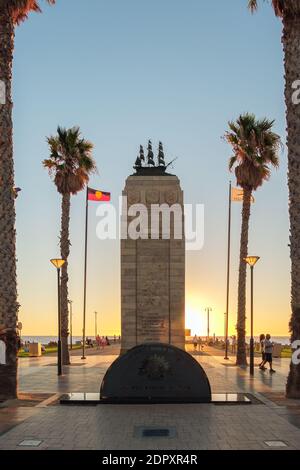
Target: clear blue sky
x,y
126,71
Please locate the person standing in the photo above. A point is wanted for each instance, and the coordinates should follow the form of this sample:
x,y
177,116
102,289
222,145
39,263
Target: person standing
x,y
195,342
262,349
268,349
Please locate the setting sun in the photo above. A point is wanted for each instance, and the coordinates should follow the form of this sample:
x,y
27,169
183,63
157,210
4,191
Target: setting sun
x,y
195,321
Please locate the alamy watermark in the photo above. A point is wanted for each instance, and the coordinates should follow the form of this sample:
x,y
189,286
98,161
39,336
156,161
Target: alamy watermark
x,y
155,221
296,93
2,353
296,352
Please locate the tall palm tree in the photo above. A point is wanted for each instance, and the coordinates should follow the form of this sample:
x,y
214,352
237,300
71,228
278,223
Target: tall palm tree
x,y
289,12
12,12
70,164
255,148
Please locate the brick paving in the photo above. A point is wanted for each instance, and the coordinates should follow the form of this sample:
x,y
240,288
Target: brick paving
x,y
113,427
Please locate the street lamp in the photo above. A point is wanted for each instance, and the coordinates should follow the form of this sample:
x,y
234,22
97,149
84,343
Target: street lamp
x,y
208,310
58,263
70,302
251,261
96,329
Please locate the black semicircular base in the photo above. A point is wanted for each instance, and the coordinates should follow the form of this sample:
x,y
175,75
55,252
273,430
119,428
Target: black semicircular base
x,y
155,373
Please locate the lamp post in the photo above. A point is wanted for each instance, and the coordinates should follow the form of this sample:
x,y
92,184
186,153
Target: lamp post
x,y
58,263
228,271
208,310
251,261
96,332
70,302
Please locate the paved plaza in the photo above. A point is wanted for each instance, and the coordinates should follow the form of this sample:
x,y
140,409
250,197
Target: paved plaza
x,y
269,421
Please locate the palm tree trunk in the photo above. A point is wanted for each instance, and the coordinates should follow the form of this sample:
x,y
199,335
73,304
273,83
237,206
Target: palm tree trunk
x,y
291,45
241,356
65,250
8,283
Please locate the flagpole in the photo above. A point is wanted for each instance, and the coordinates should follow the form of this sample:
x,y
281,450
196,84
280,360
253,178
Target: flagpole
x,y
228,272
85,270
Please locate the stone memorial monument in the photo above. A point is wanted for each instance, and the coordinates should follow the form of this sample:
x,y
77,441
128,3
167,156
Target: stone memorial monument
x,y
152,263
153,366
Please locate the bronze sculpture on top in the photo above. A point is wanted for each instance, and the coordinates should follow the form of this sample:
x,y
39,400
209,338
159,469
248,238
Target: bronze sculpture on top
x,y
150,168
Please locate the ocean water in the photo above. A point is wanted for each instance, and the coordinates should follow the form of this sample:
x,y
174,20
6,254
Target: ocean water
x,y
46,339
276,339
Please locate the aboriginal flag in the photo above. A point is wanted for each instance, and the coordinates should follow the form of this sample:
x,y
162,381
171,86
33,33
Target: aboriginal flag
x,y
97,195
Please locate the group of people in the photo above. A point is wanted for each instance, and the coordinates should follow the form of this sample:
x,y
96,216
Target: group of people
x,y
101,341
198,343
266,347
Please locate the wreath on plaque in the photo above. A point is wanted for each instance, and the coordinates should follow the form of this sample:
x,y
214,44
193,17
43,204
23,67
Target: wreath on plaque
x,y
171,197
155,367
133,197
152,197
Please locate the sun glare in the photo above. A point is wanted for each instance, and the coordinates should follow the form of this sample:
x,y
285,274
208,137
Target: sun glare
x,y
194,321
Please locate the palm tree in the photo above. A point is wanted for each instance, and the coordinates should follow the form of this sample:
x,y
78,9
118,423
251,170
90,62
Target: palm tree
x,y
255,148
289,12
12,12
70,164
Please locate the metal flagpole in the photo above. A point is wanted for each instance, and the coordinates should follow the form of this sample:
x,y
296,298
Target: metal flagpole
x,y
228,272
71,323
85,269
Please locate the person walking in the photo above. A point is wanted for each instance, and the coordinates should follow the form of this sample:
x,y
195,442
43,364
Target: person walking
x,y
262,349
200,344
195,342
268,349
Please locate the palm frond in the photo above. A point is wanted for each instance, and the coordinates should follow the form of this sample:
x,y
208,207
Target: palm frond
x,y
252,5
255,149
280,7
232,162
20,9
70,162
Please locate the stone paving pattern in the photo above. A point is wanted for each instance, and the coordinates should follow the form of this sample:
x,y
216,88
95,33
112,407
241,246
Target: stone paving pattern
x,y
112,427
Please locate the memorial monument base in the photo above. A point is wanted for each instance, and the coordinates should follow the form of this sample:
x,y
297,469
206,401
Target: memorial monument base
x,y
90,399
155,374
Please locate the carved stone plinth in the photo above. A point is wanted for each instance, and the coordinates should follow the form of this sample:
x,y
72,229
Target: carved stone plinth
x,y
153,270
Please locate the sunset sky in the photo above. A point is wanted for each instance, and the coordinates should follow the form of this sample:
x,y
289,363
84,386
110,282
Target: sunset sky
x,y
127,71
